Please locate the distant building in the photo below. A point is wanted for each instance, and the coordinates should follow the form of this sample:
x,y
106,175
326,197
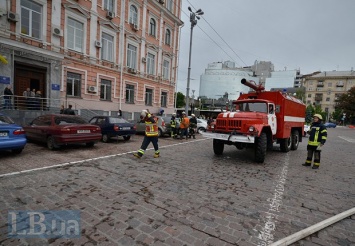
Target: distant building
x,y
325,88
283,79
221,78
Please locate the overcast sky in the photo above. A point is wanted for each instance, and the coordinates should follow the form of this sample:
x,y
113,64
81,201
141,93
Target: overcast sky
x,y
309,35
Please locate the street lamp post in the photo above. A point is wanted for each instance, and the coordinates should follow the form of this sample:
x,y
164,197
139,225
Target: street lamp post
x,y
194,16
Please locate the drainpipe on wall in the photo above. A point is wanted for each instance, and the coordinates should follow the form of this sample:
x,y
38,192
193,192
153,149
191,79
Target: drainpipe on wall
x,y
122,51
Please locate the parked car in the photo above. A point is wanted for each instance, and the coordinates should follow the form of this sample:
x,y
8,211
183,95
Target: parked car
x,y
201,125
59,129
113,127
12,136
306,130
162,128
330,125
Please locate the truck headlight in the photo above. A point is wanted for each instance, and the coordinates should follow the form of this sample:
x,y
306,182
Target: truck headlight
x,y
251,128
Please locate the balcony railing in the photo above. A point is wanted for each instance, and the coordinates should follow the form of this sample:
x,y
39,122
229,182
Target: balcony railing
x,y
29,103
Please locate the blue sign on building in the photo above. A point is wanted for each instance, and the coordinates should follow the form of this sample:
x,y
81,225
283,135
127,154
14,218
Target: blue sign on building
x,y
4,80
55,87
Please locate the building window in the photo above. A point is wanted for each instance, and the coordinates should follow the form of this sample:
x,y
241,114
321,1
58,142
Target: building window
x,y
330,84
327,99
152,27
75,35
105,90
151,64
129,93
107,47
148,97
309,95
31,18
73,84
108,5
166,68
310,82
308,101
164,97
131,56
169,5
133,15
167,37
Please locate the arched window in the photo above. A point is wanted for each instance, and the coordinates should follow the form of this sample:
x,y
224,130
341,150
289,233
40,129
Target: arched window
x,y
167,37
152,27
133,15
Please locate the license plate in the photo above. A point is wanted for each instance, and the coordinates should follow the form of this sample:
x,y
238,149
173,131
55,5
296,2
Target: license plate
x,y
3,134
126,128
83,131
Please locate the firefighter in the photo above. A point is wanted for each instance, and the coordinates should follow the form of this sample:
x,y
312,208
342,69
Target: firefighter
x,y
317,138
151,134
173,126
193,125
184,125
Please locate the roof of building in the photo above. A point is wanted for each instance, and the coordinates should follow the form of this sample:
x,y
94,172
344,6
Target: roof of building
x,y
334,74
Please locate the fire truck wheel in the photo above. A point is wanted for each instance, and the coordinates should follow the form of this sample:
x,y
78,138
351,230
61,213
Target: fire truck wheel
x,y
295,140
260,148
285,144
218,147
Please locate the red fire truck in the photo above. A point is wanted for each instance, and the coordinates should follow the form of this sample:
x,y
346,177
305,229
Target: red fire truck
x,y
257,120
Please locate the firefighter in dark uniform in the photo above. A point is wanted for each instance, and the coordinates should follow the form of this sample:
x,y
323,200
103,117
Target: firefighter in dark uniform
x,y
317,138
151,134
173,126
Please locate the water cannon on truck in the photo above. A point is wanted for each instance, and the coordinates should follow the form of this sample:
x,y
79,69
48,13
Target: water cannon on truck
x,y
259,119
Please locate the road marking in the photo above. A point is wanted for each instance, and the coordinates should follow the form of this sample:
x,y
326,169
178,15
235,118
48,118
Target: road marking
x,y
266,236
351,140
90,159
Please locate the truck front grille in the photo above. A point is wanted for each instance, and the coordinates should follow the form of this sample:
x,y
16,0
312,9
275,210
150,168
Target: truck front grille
x,y
228,124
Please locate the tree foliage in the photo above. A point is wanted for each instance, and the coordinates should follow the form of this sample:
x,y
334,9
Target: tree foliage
x,y
346,103
180,100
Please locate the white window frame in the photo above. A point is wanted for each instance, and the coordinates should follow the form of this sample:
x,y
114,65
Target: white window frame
x,y
105,89
167,39
164,99
133,19
108,46
130,91
31,11
166,69
129,62
151,60
153,31
149,96
170,5
106,4
80,19
74,81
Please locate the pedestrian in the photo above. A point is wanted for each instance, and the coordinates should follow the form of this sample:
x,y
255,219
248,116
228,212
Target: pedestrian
x,y
27,95
173,126
61,111
8,97
37,100
69,110
317,137
151,134
193,126
184,125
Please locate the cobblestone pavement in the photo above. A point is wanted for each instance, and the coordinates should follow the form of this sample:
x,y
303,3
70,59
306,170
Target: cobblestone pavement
x,y
188,196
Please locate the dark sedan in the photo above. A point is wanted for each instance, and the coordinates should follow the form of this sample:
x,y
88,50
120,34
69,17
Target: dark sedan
x,y
12,136
59,129
114,127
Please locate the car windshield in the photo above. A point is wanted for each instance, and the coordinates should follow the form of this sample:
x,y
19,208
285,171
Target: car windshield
x,y
252,107
6,120
69,120
117,120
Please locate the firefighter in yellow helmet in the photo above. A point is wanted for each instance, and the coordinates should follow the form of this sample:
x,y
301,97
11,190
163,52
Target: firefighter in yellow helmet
x,y
151,134
317,138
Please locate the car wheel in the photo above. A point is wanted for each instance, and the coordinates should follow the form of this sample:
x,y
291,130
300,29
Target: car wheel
x,y
295,140
16,151
201,129
218,147
91,144
260,148
126,138
105,138
51,144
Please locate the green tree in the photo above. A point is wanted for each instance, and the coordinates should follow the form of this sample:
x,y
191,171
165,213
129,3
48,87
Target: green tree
x,y
337,114
346,103
301,94
180,100
309,114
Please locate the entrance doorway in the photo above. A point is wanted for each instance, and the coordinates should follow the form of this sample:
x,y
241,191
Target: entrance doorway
x,y
27,76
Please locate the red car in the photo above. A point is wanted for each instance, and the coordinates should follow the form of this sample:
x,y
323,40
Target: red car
x,y
60,129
